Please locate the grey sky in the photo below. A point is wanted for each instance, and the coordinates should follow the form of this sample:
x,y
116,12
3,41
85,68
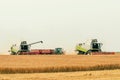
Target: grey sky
x,y
59,23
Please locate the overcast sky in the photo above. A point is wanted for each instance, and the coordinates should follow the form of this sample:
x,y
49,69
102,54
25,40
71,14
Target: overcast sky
x,y
60,23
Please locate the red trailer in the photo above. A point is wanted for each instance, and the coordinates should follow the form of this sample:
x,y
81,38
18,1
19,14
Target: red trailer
x,y
38,51
103,53
43,51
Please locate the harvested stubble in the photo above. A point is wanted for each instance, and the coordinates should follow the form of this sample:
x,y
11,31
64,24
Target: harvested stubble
x,y
57,63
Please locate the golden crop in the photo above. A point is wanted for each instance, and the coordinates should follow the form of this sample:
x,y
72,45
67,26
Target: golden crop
x,y
57,63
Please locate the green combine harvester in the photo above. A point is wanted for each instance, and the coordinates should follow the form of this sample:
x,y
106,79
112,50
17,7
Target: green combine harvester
x,y
88,48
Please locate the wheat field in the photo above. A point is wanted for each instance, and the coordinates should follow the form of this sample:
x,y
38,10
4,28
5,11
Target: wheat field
x,y
81,75
57,63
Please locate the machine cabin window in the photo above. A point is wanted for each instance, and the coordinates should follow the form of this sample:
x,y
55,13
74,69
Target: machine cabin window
x,y
24,47
95,46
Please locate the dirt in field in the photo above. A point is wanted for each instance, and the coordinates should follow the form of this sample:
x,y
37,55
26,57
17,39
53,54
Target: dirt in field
x,y
87,75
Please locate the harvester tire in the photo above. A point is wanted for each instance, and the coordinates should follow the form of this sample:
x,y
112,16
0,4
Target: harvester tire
x,y
88,52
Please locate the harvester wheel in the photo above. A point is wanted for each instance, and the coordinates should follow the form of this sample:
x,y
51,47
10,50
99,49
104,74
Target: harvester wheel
x,y
88,52
18,53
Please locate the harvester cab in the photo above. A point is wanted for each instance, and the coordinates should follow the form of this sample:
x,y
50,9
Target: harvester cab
x,y
24,47
95,46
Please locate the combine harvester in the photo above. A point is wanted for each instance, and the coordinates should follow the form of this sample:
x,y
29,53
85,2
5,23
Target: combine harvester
x,y
25,49
91,48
